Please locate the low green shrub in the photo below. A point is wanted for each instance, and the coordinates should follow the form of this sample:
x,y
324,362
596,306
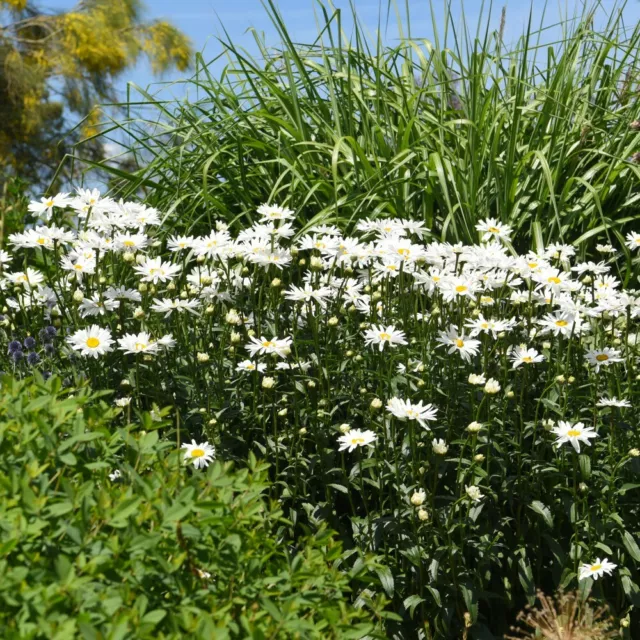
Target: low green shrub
x,y
105,534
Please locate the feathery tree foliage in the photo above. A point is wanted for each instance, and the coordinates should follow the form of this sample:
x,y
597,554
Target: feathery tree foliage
x,y
56,67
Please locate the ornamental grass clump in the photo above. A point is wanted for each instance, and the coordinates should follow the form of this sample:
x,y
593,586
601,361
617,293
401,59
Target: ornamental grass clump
x,y
440,120
461,414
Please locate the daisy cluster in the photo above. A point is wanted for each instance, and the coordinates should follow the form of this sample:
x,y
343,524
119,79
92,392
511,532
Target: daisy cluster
x,y
406,350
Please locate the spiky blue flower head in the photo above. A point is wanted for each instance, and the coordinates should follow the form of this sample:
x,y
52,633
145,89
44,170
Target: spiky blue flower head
x,y
33,358
46,374
49,349
29,342
14,345
17,355
51,331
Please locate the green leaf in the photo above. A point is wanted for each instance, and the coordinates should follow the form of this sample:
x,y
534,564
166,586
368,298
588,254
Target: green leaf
x,y
412,602
631,546
386,579
541,509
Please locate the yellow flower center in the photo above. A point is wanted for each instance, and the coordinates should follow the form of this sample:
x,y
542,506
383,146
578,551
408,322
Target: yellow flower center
x,y
484,325
385,336
49,203
532,265
459,343
320,245
595,567
602,357
561,323
140,346
77,267
357,440
404,252
493,230
41,240
197,453
129,243
574,433
268,343
251,367
392,267
461,288
527,359
436,278
554,280
92,343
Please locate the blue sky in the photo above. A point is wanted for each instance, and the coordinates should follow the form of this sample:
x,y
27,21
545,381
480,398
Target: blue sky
x,y
201,20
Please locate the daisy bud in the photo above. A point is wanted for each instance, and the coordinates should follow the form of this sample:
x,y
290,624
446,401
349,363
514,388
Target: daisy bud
x,y
571,380
302,262
617,342
171,286
251,333
548,424
587,280
479,457
418,498
78,295
423,515
56,311
268,383
376,404
583,487
245,271
476,379
560,379
492,386
333,321
311,384
183,294
349,353
283,412
345,428
209,310
302,431
200,259
142,287
148,358
138,313
376,296
213,422
420,384
474,427
510,394
634,453
235,337
546,345
203,357
276,282
348,271
439,447
435,311
358,358
140,259
128,256
367,289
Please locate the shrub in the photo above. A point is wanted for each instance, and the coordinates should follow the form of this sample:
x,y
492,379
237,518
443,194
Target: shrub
x,y
105,534
541,135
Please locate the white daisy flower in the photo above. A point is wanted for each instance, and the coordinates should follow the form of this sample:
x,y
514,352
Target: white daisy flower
x,y
574,434
93,341
356,438
406,410
596,569
381,335
199,454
